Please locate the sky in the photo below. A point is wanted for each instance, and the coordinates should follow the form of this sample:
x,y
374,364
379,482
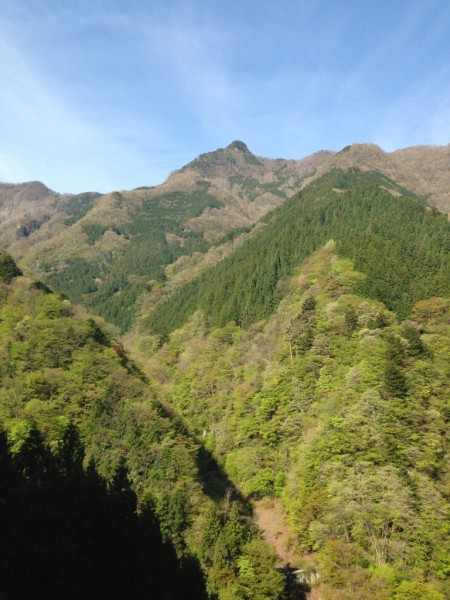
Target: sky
x,y
111,94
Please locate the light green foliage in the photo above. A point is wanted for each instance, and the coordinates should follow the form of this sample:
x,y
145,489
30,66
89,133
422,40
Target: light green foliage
x,y
248,465
349,429
257,578
288,384
411,590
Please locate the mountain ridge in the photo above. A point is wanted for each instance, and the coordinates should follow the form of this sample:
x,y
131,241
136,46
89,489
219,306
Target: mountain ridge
x,y
107,250
424,170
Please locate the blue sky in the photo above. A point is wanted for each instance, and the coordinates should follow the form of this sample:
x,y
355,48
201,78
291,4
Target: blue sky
x,y
110,94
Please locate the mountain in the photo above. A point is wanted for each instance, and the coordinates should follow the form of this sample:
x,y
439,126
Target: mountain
x,y
110,249
402,247
331,415
115,252
312,361
248,186
423,170
290,320
31,212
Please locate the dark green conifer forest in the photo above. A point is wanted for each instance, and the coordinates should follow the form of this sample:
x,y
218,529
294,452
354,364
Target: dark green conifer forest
x,y
145,257
402,247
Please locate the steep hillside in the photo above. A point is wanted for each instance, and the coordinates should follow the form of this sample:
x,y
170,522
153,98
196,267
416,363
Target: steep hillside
x,y
293,331
114,251
339,410
325,388
61,373
106,256
31,213
66,533
249,186
401,246
424,170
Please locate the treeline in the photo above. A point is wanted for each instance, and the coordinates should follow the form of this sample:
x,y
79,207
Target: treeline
x,y
402,247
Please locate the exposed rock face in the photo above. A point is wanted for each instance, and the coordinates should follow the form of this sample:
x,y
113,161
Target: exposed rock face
x,y
301,583
306,578
248,186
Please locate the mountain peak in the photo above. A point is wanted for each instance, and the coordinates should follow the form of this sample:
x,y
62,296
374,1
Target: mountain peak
x,y
238,146
226,161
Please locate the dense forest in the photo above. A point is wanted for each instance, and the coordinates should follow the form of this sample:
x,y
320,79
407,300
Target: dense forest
x,y
61,371
66,533
339,409
110,287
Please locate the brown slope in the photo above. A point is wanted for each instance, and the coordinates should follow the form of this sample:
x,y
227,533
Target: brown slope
x,y
424,170
23,209
31,213
247,187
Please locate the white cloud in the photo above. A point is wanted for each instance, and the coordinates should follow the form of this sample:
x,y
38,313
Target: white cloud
x,y
421,115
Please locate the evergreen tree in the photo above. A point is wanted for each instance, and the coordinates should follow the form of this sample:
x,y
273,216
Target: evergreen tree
x,y
394,381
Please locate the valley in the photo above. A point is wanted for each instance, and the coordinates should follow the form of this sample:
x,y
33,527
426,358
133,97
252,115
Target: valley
x,y
260,348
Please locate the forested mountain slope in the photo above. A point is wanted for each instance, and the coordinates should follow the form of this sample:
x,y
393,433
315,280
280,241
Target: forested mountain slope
x,y
424,170
30,213
65,533
116,251
62,373
293,328
327,387
104,252
401,246
338,408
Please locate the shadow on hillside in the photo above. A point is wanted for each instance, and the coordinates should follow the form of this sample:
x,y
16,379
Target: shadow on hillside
x,y
295,590
216,483
66,534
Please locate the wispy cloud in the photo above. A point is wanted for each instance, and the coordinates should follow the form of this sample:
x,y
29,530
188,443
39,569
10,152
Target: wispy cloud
x,y
31,100
421,114
195,62
47,128
105,94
